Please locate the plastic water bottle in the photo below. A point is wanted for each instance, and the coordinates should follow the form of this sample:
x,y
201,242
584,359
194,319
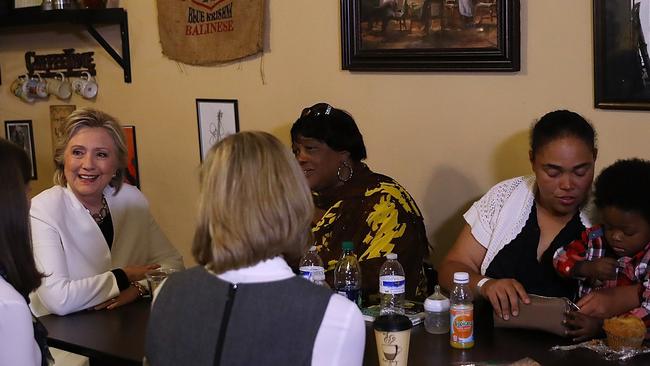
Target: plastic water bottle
x,y
392,286
311,268
347,274
461,313
436,307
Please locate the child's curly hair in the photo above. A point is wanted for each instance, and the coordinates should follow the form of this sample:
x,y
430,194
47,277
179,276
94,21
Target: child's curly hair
x,y
626,186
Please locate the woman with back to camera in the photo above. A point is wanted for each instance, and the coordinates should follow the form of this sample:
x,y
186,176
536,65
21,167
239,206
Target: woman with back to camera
x,y
512,232
355,203
23,338
93,235
243,305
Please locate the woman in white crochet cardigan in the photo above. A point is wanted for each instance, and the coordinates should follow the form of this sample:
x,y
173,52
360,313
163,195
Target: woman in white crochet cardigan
x,y
511,233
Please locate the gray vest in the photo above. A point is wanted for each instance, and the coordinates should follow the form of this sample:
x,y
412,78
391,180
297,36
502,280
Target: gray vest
x,y
198,319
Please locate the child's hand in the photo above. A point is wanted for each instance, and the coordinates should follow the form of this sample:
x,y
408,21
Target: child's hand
x,y
600,269
581,326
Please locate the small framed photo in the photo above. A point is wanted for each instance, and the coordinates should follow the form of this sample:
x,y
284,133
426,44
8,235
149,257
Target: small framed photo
x,y
621,61
132,173
217,118
20,133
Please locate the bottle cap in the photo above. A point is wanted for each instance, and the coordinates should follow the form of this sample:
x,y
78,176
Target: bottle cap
x,y
391,256
347,245
437,302
461,277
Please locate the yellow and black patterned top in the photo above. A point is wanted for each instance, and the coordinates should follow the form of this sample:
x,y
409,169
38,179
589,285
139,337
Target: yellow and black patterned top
x,y
380,217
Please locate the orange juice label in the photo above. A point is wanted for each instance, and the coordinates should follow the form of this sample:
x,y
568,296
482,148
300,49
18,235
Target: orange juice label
x,y
462,326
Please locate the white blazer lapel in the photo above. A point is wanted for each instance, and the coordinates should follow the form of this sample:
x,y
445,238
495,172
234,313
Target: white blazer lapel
x,y
87,224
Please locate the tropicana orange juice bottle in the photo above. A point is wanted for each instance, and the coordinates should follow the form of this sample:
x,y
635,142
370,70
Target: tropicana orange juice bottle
x,y
461,313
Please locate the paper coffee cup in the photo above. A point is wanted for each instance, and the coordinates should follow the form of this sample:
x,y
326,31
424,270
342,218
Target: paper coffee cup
x,y
392,335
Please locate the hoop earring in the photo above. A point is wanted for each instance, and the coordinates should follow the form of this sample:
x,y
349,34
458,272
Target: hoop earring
x,y
338,172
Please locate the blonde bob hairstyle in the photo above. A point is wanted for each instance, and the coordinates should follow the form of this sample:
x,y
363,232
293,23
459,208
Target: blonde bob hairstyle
x,y
254,204
90,118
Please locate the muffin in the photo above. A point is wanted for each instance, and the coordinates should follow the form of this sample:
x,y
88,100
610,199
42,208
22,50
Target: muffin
x,y
625,331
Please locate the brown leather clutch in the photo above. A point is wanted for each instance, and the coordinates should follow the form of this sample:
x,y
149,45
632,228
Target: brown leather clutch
x,y
543,313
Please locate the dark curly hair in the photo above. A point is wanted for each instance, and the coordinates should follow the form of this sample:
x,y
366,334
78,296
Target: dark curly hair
x,y
558,124
333,126
626,186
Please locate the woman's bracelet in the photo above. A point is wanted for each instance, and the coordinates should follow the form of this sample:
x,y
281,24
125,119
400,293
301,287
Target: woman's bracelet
x,y
141,290
480,284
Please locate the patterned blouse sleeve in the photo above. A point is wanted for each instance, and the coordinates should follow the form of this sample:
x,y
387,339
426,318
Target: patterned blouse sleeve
x,y
394,225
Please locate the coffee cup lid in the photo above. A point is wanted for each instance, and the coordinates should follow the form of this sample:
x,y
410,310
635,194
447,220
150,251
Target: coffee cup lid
x,y
392,323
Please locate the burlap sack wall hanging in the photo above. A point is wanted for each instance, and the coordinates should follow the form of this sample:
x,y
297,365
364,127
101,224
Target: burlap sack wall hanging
x,y
201,32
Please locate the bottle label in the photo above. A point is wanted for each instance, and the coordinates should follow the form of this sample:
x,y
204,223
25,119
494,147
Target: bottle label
x,y
313,273
392,285
352,294
462,325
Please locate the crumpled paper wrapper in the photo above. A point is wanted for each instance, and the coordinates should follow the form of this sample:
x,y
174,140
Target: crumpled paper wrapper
x,y
600,347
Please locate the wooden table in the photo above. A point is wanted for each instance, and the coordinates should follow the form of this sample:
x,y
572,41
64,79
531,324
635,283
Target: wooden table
x,y
110,337
494,346
116,337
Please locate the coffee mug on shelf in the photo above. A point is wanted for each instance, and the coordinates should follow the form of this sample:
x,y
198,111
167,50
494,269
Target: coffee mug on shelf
x,y
19,88
41,87
31,87
86,86
61,88
17,85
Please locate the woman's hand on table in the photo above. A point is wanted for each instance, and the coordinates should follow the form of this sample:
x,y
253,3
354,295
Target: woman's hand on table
x,y
125,297
137,273
504,295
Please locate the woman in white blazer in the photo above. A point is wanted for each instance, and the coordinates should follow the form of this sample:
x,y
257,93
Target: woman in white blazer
x,y
22,338
94,237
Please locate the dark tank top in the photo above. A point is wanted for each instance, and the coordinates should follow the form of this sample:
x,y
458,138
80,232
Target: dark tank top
x,y
518,259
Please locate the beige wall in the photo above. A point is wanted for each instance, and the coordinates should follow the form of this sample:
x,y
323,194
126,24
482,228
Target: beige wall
x,y
447,137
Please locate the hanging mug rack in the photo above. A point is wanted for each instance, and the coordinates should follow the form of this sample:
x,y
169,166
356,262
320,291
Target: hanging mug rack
x,y
70,63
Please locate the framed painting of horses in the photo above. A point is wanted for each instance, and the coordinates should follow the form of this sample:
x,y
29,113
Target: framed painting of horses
x,y
430,35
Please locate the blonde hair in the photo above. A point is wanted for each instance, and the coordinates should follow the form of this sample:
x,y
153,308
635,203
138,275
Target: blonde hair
x,y
90,118
254,204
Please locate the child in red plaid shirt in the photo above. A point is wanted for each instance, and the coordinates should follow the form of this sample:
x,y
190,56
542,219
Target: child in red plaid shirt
x,y
618,253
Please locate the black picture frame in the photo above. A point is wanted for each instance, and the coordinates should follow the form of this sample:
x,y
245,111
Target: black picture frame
x,y
621,62
501,55
21,133
216,119
132,174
